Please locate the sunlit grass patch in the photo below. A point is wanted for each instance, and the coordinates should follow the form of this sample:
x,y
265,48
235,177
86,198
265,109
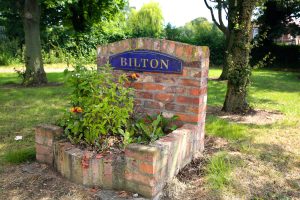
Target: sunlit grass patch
x,y
218,170
225,129
20,155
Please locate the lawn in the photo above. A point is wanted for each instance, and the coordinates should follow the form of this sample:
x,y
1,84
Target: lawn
x,y
257,162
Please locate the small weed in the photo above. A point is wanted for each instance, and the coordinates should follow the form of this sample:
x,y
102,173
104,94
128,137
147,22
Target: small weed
x,y
219,170
19,156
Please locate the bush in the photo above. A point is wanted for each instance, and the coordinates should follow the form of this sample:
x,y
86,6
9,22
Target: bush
x,y
102,111
285,56
10,52
100,105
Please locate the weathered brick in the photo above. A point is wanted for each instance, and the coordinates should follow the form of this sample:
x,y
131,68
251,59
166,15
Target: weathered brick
x,y
144,95
43,149
179,50
153,104
188,118
164,97
175,107
170,47
190,82
163,79
175,89
188,100
136,85
140,178
147,168
153,86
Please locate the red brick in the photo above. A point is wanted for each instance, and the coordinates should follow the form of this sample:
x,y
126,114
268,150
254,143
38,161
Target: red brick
x,y
144,95
42,149
153,104
164,79
175,107
137,177
156,45
170,47
179,50
188,52
137,85
193,109
188,100
137,102
164,97
39,139
194,92
153,86
189,82
188,118
185,72
175,89
146,168
197,91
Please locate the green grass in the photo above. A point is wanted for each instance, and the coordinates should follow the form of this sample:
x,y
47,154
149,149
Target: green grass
x,y
20,155
218,170
225,129
24,108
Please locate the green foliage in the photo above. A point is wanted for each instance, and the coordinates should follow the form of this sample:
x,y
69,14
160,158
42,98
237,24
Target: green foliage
x,y
100,104
282,56
147,22
20,155
200,32
153,127
10,52
218,170
278,17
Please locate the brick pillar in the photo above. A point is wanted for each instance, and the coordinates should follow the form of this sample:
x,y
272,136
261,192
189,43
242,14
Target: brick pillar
x,y
44,140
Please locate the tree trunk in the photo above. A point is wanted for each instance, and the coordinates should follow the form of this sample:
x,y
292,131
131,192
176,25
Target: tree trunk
x,y
224,74
238,58
34,73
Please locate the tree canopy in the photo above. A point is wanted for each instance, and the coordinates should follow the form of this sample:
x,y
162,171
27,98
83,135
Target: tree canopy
x,y
147,22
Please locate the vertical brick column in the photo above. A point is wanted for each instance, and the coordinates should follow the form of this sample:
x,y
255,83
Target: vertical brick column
x,y
44,141
182,94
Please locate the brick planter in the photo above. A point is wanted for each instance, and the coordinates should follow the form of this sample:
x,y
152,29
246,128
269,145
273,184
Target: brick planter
x,y
143,169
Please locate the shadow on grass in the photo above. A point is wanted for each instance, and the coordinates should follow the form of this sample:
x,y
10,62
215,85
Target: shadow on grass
x,y
267,80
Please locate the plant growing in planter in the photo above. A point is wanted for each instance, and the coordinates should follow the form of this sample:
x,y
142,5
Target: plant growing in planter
x,y
101,114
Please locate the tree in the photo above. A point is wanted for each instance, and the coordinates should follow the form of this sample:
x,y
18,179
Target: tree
x,y
278,17
238,37
83,14
200,32
34,73
147,22
76,15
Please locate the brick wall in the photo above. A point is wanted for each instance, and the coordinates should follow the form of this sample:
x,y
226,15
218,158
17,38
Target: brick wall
x,y
142,169
180,94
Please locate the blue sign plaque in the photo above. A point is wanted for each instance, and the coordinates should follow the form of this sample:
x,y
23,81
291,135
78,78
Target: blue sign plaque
x,y
146,60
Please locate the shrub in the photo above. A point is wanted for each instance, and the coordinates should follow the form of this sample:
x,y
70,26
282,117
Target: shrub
x,y
285,56
102,112
10,52
100,105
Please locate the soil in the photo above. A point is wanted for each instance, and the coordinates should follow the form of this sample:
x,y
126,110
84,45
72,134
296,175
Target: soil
x,y
257,116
